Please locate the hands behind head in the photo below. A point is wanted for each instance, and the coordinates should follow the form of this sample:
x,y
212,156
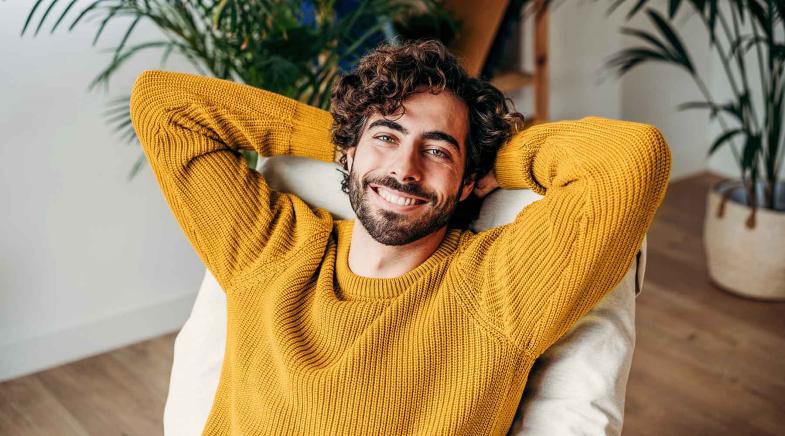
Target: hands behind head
x,y
486,185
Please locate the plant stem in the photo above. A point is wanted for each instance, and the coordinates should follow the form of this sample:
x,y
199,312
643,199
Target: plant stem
x,y
763,80
710,100
768,200
706,93
740,61
725,63
773,123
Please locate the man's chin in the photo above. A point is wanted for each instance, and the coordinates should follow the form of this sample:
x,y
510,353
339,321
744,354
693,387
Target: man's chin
x,y
389,226
398,230
392,239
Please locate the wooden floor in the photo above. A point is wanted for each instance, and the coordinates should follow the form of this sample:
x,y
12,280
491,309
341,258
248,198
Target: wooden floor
x,y
706,362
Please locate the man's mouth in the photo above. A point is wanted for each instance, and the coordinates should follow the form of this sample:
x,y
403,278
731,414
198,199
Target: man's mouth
x,y
396,197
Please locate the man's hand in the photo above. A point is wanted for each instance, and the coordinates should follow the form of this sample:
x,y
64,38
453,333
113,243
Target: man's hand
x,y
486,185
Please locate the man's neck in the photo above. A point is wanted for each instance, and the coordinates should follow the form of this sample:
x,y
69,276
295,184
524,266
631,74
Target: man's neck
x,y
369,258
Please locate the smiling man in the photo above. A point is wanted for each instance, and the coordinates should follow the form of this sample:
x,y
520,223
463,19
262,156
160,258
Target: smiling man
x,y
401,321
407,177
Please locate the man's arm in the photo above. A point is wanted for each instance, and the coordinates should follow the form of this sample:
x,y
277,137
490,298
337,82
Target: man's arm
x,y
192,128
602,182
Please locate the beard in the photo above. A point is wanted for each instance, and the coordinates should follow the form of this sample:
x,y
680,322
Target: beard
x,y
392,228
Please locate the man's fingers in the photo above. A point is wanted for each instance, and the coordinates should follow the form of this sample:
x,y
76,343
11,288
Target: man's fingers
x,y
482,191
486,185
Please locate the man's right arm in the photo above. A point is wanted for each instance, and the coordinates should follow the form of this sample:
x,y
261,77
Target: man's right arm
x,y
192,128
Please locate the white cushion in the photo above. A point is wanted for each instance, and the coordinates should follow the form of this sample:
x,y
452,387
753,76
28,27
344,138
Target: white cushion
x,y
576,387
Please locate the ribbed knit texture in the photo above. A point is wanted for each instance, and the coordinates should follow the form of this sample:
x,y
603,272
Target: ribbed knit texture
x,y
445,349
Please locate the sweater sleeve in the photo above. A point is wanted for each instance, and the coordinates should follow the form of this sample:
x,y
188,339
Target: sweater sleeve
x,y
192,128
602,182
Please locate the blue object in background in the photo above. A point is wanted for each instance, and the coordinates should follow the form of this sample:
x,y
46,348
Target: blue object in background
x,y
342,8
309,13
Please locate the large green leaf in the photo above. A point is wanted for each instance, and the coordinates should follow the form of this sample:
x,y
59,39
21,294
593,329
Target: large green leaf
x,y
677,50
725,137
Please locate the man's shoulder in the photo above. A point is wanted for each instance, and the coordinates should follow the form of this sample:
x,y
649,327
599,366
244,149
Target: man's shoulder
x,y
475,238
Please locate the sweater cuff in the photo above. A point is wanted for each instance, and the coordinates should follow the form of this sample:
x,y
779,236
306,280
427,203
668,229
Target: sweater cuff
x,y
514,162
311,133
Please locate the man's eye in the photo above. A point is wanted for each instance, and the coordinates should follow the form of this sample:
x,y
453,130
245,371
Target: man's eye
x,y
438,153
384,136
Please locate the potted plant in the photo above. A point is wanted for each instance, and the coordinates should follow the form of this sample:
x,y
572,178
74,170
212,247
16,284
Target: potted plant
x,y
744,233
295,48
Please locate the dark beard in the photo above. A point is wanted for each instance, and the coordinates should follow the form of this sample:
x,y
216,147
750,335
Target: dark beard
x,y
391,228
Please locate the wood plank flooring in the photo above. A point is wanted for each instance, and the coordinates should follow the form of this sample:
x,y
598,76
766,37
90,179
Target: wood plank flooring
x,y
121,392
706,362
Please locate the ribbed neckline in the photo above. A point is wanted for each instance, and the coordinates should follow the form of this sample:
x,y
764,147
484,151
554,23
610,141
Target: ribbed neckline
x,y
356,287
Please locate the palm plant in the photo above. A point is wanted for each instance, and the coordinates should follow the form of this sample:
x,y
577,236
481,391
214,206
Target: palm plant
x,y
292,47
759,127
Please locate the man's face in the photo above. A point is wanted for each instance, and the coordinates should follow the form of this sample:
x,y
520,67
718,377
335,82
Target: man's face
x,y
406,171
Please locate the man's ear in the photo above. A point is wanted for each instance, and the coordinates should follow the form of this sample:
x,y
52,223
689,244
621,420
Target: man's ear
x,y
467,189
350,157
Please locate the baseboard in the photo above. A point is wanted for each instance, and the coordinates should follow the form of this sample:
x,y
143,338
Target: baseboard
x,y
31,355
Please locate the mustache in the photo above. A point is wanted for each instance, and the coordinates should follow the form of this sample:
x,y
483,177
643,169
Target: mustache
x,y
408,188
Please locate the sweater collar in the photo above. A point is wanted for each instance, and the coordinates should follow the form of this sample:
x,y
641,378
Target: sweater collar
x,y
356,287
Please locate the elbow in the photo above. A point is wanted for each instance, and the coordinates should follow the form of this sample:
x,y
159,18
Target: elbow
x,y
657,161
636,152
142,108
148,106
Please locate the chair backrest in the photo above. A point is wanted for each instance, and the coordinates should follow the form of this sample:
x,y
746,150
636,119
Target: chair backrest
x,y
312,181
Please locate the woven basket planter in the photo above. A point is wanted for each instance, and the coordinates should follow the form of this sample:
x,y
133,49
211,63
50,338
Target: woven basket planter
x,y
745,251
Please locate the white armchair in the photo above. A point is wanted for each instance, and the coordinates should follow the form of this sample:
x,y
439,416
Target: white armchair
x,y
576,387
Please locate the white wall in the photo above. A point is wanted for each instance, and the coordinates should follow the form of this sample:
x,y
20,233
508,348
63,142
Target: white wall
x,y
651,92
90,261
582,38
580,35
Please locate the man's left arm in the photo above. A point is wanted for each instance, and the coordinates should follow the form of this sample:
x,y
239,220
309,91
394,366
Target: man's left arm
x,y
602,181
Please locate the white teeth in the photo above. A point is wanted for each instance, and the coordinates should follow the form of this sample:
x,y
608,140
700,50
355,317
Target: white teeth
x,y
392,198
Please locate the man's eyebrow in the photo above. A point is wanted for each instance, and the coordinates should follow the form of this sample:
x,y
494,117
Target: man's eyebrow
x,y
435,135
441,136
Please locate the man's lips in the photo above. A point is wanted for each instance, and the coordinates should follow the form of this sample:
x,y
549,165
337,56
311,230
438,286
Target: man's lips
x,y
418,200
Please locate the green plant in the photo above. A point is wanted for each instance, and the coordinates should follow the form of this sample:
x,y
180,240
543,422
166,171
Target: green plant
x,y
293,47
761,154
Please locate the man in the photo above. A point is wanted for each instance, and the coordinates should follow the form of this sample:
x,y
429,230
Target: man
x,y
399,321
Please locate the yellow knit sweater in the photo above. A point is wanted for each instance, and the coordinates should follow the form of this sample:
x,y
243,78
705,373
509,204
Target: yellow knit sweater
x,y
445,349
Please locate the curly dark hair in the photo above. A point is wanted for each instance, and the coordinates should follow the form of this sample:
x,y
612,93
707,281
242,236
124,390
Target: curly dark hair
x,y
389,74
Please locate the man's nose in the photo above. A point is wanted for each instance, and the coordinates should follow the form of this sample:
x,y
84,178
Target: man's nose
x,y
406,167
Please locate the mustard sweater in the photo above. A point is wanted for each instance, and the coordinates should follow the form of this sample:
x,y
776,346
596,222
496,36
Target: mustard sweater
x,y
445,349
